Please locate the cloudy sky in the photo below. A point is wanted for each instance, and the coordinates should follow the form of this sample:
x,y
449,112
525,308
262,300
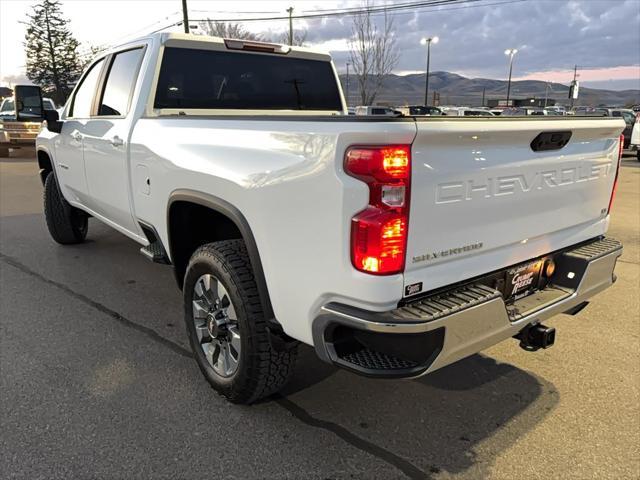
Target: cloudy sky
x,y
601,36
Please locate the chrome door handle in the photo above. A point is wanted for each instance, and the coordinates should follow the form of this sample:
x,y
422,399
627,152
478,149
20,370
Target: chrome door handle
x,y
117,141
77,136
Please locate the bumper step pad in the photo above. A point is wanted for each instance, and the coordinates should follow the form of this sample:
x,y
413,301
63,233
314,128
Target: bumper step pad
x,y
441,305
594,250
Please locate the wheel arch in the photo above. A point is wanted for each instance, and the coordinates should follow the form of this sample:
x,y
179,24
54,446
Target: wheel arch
x,y
221,209
45,163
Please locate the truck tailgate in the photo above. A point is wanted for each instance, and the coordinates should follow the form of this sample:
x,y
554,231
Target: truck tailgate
x,y
482,199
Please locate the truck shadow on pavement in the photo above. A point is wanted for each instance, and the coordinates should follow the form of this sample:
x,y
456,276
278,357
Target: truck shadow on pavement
x,y
456,420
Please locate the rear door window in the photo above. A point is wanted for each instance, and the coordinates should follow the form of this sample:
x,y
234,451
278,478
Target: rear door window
x,y
208,79
120,82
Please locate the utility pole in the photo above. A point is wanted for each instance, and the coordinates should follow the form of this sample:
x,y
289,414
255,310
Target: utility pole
x,y
185,16
348,83
290,10
575,77
483,92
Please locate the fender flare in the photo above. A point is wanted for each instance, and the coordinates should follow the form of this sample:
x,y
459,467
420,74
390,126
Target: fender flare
x,y
225,208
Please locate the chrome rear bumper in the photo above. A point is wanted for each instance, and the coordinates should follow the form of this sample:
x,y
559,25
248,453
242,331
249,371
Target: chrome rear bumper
x,y
437,330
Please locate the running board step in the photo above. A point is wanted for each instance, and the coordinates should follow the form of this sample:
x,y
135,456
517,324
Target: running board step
x,y
155,252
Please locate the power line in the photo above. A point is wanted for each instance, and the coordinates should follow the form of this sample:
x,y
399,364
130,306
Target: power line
x,y
372,13
347,11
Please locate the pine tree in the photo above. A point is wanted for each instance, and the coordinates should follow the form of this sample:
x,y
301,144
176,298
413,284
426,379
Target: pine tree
x,y
52,52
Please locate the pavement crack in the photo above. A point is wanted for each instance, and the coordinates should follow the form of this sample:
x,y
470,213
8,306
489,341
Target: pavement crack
x,y
149,332
408,468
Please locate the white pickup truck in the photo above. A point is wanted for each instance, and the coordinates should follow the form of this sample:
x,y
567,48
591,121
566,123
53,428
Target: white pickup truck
x,y
393,246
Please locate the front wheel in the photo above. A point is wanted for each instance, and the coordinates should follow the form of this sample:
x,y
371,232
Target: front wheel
x,y
66,224
227,327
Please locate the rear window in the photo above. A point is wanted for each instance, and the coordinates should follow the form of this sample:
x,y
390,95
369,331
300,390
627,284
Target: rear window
x,y
204,79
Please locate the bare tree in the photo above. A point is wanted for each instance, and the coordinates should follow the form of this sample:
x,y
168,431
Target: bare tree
x,y
299,38
228,30
373,52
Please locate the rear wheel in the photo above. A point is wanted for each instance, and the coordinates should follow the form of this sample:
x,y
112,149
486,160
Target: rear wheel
x,y
227,327
67,225
4,151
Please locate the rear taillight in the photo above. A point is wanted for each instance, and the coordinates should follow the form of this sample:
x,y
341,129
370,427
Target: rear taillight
x,y
379,232
615,180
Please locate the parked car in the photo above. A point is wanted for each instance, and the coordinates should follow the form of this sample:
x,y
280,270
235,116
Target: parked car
x,y
626,114
380,110
467,112
375,240
19,128
558,109
419,110
629,117
523,111
7,107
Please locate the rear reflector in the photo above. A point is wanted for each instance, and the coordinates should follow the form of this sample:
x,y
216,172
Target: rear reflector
x,y
379,232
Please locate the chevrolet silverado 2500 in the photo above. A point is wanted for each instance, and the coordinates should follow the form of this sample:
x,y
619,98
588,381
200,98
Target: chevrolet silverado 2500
x,y
393,246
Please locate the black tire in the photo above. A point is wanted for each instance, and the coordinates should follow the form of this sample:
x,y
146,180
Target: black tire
x,y
4,151
261,370
638,153
67,225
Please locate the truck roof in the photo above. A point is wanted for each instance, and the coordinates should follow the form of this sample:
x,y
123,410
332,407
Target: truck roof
x,y
188,40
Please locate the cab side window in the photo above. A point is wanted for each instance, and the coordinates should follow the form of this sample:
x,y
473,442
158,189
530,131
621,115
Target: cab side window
x,y
83,99
120,82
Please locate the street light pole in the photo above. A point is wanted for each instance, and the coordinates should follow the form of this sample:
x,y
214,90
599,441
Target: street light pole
x,y
511,52
546,94
427,42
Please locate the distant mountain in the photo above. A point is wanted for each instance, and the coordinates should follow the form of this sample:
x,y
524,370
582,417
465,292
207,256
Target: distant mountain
x,y
458,90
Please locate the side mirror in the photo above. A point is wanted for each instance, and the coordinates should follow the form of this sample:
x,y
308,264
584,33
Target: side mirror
x,y
53,121
28,102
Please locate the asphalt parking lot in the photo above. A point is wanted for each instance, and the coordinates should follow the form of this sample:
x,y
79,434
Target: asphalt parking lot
x,y
97,380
